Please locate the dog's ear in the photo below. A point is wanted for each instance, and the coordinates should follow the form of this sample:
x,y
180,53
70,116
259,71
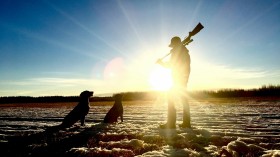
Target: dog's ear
x,y
83,94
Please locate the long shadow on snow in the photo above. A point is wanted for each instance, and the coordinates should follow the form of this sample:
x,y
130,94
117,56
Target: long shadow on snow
x,y
49,143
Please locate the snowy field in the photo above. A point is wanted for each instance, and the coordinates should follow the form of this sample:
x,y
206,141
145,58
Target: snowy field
x,y
241,127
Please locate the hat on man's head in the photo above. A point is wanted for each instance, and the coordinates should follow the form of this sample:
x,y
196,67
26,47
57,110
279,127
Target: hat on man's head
x,y
175,41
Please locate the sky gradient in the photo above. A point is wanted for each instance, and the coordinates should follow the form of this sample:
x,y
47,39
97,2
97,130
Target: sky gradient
x,y
50,47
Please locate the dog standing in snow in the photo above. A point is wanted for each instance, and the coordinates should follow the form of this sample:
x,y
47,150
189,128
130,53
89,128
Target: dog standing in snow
x,y
116,111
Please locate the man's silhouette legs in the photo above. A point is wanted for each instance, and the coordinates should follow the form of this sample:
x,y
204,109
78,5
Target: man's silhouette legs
x,y
171,115
178,94
186,114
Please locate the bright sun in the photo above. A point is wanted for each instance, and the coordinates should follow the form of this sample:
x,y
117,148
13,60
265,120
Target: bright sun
x,y
160,78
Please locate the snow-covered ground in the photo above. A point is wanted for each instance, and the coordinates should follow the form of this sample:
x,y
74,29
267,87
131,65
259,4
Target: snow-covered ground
x,y
240,128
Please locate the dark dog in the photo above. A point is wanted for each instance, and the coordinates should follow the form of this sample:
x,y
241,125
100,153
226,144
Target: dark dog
x,y
79,112
116,111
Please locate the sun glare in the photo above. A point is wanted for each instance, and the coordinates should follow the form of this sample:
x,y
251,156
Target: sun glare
x,y
160,78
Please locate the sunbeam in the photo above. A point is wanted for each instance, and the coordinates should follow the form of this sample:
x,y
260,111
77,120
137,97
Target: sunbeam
x,y
75,21
132,26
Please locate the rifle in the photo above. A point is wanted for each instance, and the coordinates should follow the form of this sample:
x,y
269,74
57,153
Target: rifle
x,y
188,39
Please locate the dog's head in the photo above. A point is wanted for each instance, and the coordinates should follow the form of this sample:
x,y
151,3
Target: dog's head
x,y
118,97
86,94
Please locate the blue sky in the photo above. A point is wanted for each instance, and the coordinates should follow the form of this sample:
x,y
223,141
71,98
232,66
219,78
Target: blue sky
x,y
50,47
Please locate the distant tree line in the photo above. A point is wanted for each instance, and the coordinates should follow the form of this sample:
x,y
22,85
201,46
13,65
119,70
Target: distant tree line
x,y
264,91
149,95
47,99
127,96
29,99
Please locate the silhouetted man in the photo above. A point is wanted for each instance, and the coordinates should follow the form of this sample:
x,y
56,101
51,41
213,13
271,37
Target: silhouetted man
x,y
180,66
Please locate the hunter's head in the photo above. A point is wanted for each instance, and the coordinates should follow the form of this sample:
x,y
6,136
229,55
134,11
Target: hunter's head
x,y
175,41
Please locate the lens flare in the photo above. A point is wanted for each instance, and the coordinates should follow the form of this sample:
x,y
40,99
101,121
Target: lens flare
x,y
114,69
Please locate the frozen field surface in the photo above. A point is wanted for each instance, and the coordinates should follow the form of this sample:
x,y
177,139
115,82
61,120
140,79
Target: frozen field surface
x,y
237,127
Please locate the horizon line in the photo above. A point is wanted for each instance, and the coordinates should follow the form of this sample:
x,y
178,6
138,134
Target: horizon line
x,y
112,93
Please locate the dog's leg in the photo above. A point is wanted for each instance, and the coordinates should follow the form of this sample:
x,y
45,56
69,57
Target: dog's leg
x,y
121,117
83,120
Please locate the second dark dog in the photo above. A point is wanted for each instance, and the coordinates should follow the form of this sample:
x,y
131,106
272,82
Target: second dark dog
x,y
79,112
116,111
